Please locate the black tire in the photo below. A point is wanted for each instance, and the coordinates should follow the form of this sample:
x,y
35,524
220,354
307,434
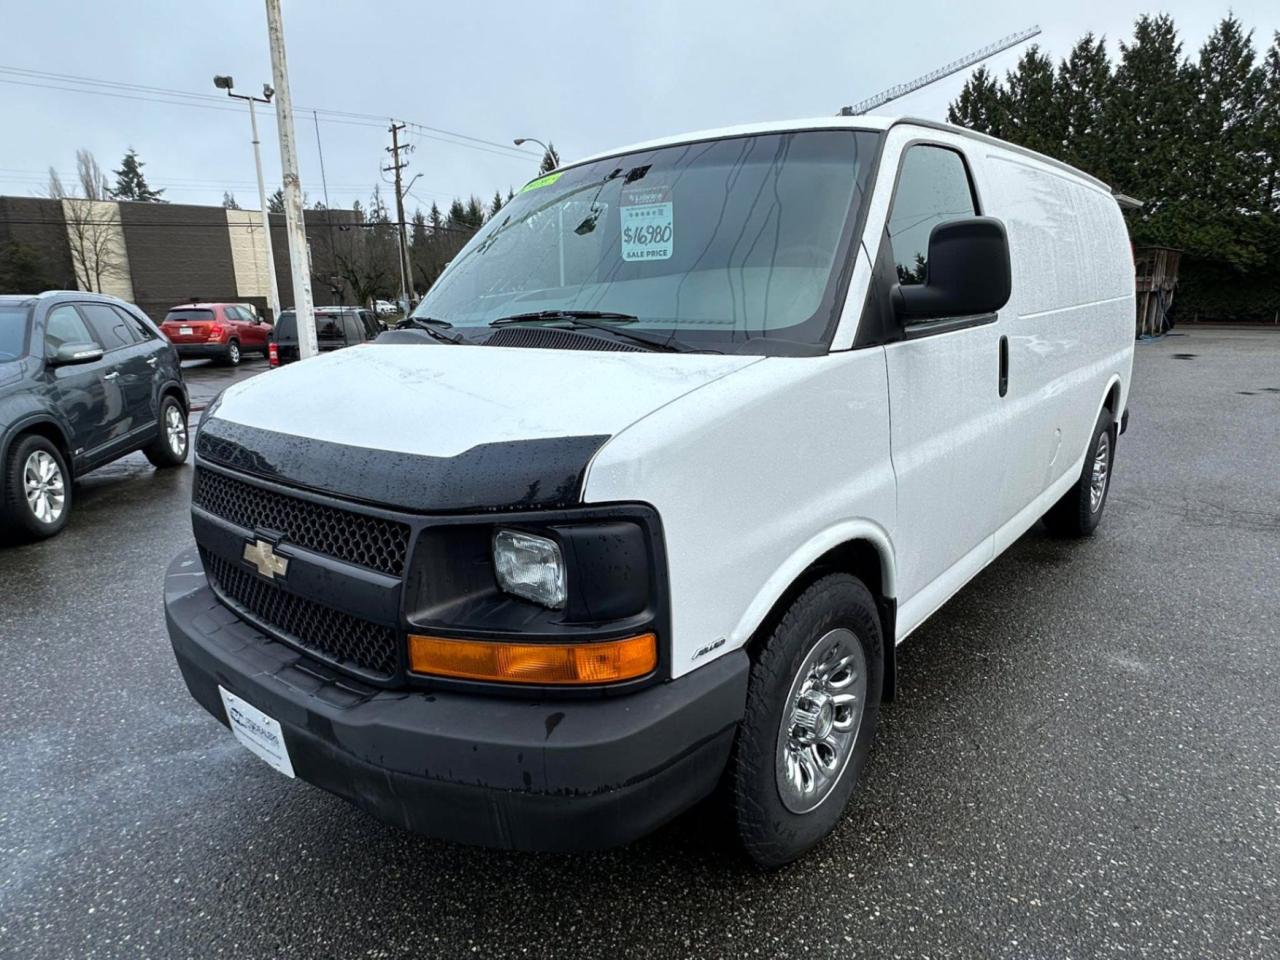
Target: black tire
x,y
1077,514
770,832
169,449
18,521
232,359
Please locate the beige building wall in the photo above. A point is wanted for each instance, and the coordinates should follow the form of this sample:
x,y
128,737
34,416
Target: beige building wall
x,y
249,254
98,251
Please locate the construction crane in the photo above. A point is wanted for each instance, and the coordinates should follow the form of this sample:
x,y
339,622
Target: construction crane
x,y
955,66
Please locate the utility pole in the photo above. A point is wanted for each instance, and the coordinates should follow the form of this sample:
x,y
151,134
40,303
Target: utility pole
x,y
396,166
299,259
226,83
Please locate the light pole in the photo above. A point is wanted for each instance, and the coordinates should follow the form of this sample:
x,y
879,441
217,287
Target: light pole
x,y
226,83
546,151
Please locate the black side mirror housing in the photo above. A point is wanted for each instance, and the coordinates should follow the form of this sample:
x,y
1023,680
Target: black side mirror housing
x,y
70,353
968,273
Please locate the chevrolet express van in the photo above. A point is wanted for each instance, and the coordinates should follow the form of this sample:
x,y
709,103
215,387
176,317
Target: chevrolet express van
x,y
642,498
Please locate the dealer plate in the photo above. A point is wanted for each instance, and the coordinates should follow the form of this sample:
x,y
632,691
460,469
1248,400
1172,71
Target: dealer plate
x,y
257,731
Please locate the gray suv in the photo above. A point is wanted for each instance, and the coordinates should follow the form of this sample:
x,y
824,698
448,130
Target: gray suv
x,y
84,380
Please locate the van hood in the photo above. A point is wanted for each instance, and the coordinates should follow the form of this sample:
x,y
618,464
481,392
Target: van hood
x,y
445,427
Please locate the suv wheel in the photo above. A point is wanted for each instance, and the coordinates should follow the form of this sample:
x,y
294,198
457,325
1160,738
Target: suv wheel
x,y
233,353
169,449
812,705
36,497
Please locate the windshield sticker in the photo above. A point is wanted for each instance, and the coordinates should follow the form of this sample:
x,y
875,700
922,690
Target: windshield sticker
x,y
546,181
648,224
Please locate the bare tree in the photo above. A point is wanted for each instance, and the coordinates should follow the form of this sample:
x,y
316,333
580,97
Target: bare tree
x,y
93,225
93,182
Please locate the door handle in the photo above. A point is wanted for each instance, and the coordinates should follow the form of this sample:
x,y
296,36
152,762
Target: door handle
x,y
152,361
114,375
1004,365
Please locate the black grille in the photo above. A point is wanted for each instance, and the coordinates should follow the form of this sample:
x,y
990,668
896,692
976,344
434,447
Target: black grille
x,y
354,537
338,636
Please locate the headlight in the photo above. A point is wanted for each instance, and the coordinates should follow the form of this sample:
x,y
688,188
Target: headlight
x,y
531,567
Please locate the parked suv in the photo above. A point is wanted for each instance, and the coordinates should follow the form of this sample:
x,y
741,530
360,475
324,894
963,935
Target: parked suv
x,y
336,327
221,331
637,507
84,380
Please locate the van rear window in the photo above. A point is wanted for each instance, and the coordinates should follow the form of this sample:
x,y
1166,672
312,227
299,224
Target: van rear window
x,y
187,316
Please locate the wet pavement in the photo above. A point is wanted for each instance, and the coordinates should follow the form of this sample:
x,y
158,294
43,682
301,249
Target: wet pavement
x,y
1084,760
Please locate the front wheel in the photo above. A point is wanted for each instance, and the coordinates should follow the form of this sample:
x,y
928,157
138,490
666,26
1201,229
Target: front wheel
x,y
813,702
35,490
1079,511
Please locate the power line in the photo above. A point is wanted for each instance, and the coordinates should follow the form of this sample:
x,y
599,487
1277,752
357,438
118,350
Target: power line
x,y
168,95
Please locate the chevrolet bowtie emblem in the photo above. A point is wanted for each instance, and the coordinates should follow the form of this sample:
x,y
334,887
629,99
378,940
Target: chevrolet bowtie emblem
x,y
262,556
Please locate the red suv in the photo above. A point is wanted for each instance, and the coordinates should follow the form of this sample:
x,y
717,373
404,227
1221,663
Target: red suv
x,y
223,331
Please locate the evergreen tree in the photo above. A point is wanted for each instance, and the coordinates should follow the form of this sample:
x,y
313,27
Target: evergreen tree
x,y
130,182
1083,87
1269,123
435,217
496,203
511,194
457,214
474,216
981,105
275,202
550,159
418,232
1149,120
1033,117
229,201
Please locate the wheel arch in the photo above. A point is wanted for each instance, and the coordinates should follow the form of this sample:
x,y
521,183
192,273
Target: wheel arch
x,y
1113,396
44,426
861,548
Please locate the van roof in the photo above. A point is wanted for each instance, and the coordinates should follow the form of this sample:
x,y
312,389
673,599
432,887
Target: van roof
x,y
867,122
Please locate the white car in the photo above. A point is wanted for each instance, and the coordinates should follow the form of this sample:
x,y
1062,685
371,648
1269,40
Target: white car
x,y
385,308
697,433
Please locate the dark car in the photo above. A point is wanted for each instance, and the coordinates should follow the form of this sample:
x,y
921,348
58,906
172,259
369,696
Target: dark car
x,y
84,380
219,331
336,327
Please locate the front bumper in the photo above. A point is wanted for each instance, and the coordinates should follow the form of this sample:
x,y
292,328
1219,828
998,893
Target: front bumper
x,y
552,775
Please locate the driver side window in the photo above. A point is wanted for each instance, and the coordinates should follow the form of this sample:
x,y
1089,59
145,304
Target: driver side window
x,y
933,187
65,325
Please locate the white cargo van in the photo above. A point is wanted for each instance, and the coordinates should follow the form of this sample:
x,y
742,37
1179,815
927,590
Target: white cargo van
x,y
680,446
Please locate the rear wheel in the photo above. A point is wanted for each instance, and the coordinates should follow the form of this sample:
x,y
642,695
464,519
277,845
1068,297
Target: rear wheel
x,y
233,353
36,497
813,702
1079,511
169,449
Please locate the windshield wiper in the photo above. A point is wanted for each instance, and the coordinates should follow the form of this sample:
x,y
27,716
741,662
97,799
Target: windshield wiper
x,y
431,326
595,320
565,315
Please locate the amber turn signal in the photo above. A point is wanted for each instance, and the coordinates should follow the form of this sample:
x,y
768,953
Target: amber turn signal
x,y
554,663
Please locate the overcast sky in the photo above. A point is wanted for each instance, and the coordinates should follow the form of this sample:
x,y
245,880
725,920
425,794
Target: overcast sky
x,y
586,75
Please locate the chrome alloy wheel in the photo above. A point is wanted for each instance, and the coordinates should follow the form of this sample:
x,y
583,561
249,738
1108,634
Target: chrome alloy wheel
x,y
1101,467
44,486
175,430
820,720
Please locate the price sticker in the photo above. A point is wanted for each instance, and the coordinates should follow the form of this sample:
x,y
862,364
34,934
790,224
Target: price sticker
x,y
648,223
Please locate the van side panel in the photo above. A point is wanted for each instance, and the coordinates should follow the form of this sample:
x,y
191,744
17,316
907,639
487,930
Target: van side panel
x,y
1070,322
780,462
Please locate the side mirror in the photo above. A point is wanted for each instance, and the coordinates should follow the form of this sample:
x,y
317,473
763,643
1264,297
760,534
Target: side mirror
x,y
70,353
968,274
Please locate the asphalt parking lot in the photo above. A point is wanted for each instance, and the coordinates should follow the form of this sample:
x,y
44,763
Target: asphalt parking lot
x,y
1084,759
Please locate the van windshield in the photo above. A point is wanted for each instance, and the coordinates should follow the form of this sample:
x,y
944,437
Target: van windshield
x,y
713,244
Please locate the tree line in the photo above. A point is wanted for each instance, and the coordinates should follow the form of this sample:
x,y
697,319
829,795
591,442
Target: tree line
x,y
1196,140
